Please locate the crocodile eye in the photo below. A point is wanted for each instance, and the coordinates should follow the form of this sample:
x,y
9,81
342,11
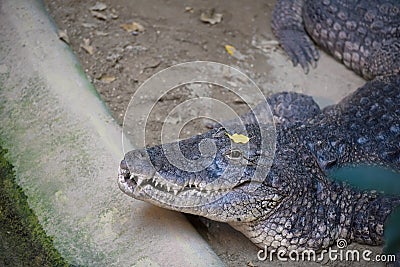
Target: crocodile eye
x,y
219,133
234,154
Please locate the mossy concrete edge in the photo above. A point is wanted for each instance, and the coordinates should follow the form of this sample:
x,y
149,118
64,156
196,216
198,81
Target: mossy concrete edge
x,y
66,148
23,241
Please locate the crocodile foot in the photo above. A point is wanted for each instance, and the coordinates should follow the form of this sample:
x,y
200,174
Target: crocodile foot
x,y
300,49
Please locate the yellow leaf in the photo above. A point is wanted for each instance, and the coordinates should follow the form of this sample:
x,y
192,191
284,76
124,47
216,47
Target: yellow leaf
x,y
239,138
230,49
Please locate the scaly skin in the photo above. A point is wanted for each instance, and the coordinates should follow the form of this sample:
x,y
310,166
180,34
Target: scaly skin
x,y
296,207
363,34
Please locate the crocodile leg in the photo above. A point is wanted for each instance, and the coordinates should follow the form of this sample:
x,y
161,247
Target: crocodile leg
x,y
288,27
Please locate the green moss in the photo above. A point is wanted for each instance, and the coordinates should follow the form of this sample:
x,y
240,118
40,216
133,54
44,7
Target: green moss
x,y
23,241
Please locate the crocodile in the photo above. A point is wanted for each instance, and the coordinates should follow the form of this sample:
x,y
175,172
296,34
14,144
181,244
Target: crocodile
x,y
362,34
295,206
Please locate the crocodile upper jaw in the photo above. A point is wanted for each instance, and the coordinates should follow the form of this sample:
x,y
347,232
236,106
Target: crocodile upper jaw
x,y
151,186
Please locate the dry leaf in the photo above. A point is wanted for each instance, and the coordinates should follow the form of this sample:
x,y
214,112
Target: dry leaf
x,y
107,78
89,25
211,17
113,14
189,9
133,27
87,47
62,35
100,33
238,138
98,15
99,7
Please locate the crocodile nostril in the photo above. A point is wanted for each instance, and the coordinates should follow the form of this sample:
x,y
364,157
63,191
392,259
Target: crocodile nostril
x,y
123,165
124,170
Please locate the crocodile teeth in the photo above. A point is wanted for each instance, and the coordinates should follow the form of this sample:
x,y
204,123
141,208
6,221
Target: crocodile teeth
x,y
156,183
139,181
175,192
211,186
168,187
191,181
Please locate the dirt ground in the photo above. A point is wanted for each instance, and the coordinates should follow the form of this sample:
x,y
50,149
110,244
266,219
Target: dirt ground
x,y
173,33
118,60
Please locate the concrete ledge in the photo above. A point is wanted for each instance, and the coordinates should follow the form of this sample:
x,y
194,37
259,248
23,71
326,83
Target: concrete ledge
x,y
66,148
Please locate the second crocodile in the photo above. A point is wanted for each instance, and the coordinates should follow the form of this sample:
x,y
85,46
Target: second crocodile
x,y
363,34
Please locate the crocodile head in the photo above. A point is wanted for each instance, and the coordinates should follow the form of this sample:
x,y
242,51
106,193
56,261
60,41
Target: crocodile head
x,y
211,175
208,175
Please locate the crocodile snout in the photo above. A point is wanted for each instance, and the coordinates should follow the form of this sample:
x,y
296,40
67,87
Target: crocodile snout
x,y
123,170
125,183
134,169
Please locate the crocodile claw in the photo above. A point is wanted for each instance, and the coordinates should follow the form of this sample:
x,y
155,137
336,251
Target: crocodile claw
x,y
299,47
